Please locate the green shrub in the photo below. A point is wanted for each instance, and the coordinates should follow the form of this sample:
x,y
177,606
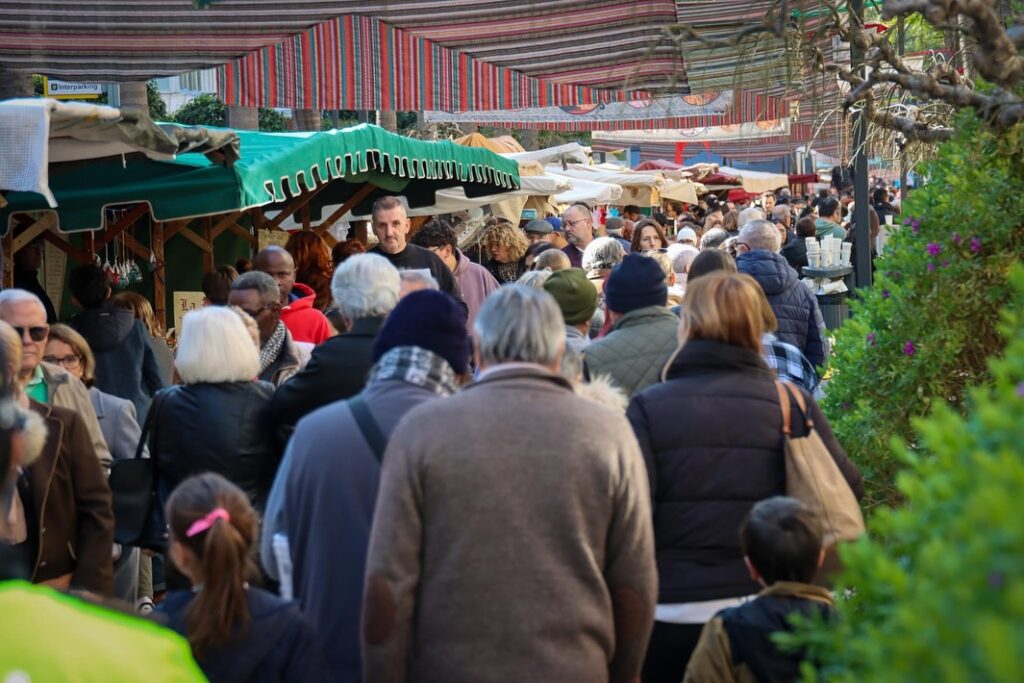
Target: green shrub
x,y
208,110
938,589
923,332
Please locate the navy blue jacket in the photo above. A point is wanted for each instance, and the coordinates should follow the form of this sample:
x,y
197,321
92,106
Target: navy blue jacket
x,y
125,363
795,307
711,435
278,645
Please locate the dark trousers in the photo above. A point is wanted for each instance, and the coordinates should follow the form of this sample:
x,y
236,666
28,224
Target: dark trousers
x,y
669,652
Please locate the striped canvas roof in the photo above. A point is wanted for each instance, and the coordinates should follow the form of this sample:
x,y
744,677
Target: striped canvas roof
x,y
597,43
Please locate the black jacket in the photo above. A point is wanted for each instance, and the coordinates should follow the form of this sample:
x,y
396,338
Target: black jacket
x,y
336,370
29,281
795,253
795,307
125,363
278,646
414,257
711,435
222,428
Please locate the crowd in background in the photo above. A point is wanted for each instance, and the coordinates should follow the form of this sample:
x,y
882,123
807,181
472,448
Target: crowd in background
x,y
555,454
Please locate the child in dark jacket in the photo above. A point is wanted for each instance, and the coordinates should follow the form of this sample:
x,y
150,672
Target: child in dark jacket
x,y
237,632
782,546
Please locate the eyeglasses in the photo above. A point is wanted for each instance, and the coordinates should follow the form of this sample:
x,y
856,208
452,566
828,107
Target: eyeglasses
x,y
573,223
36,334
69,362
255,314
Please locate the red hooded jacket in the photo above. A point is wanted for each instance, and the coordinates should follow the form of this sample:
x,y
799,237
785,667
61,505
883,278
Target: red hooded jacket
x,y
306,323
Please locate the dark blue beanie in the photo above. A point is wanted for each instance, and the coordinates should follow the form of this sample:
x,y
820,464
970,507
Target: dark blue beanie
x,y
635,283
431,320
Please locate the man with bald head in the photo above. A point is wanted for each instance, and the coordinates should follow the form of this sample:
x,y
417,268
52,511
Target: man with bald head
x,y
45,382
578,222
63,514
305,323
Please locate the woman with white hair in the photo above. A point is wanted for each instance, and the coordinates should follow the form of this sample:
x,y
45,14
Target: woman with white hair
x,y
217,421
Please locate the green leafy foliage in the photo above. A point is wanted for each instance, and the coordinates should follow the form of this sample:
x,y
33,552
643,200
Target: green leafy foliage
x,y
207,110
203,110
922,334
157,106
937,591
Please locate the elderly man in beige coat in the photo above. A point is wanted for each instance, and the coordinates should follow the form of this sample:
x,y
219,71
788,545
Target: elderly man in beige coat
x,y
512,537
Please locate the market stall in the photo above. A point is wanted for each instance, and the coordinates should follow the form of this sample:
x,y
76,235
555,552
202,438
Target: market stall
x,y
142,203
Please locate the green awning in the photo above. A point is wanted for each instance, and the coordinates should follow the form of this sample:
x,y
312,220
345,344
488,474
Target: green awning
x,y
272,168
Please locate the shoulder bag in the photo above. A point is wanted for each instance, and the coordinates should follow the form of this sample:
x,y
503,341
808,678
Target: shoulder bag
x,y
814,478
139,519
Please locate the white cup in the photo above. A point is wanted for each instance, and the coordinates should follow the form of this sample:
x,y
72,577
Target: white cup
x,y
888,219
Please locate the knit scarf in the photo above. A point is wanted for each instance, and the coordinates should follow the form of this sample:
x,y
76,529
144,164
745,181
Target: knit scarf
x,y
507,272
272,349
416,366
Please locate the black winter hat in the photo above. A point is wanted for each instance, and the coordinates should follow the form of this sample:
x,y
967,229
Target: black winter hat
x,y
635,283
431,320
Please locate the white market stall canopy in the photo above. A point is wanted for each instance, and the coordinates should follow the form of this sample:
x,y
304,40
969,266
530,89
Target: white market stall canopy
x,y
589,192
570,153
757,181
642,189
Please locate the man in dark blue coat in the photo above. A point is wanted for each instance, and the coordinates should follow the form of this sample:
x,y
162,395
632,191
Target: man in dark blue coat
x,y
794,305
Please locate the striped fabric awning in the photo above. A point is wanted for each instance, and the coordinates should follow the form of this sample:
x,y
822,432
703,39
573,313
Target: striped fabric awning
x,y
593,43
360,63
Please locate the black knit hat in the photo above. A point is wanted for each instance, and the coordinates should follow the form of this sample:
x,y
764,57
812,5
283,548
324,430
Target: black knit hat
x,y
635,283
431,320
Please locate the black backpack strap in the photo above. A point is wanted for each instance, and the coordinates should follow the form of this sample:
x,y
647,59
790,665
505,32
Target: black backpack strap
x,y
368,426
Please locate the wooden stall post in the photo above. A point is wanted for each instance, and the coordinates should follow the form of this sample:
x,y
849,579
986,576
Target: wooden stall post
x,y
159,286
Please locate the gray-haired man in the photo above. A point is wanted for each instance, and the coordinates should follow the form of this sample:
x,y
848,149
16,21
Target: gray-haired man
x,y
548,526
258,294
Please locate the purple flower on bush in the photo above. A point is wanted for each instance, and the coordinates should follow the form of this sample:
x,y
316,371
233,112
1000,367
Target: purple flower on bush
x,y
915,228
945,263
871,339
957,239
934,248
886,293
975,245
1020,390
909,348
931,267
906,221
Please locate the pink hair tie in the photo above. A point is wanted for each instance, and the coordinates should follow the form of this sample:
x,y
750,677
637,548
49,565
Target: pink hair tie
x,y
204,523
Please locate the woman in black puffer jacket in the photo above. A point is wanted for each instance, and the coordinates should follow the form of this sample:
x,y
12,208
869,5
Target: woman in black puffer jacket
x,y
711,434
218,420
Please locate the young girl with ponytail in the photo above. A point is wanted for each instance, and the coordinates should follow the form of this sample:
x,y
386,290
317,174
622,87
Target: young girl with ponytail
x,y
237,632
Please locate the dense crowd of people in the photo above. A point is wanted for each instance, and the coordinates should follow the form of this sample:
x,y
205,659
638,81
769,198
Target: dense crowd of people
x,y
560,461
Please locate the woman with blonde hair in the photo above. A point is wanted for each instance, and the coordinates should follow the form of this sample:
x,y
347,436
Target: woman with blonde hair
x,y
120,428
507,245
712,437
143,311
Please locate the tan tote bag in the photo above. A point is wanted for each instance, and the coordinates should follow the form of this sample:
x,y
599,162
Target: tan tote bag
x,y
814,478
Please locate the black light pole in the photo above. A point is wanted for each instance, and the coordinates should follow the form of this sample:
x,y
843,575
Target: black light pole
x,y
861,219
901,44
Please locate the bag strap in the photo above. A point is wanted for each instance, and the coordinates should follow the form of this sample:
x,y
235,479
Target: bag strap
x,y
786,390
148,425
368,426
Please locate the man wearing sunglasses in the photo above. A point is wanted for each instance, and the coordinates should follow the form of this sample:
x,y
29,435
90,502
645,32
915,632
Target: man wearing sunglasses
x,y
48,383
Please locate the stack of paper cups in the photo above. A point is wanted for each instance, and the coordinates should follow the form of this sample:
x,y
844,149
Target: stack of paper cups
x,y
847,249
826,251
813,252
837,252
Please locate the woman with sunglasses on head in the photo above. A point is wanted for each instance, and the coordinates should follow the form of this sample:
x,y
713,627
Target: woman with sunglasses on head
x,y
238,632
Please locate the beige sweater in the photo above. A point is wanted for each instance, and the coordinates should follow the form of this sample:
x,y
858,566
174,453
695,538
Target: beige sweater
x,y
512,540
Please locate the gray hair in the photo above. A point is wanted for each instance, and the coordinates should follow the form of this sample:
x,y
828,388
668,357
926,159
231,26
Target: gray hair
x,y
761,235
750,214
20,296
552,259
534,278
215,347
780,212
713,238
418,276
365,286
263,283
519,324
683,259
603,253
582,209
